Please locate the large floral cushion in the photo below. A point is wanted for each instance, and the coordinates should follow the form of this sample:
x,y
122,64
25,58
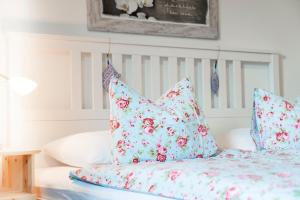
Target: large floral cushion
x,y
171,128
275,122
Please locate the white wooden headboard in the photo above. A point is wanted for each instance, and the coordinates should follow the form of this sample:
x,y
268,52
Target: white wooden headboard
x,y
70,98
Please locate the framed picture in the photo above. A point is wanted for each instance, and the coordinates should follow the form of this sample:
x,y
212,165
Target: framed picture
x,y
177,18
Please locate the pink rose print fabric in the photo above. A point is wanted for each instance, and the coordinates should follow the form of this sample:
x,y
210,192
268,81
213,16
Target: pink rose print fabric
x,y
275,122
171,128
231,175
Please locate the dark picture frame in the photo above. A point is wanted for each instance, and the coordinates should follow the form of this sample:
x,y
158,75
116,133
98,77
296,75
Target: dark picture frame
x,y
176,18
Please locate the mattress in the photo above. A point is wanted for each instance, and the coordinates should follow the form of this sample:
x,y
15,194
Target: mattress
x,y
53,183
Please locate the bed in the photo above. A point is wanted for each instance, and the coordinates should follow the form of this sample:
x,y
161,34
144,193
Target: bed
x,y
53,179
233,174
75,102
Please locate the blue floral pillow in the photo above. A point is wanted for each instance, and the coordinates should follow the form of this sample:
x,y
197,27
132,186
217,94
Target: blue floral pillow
x,y
171,128
275,122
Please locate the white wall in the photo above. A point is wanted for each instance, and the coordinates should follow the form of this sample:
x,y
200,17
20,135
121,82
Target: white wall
x,y
252,24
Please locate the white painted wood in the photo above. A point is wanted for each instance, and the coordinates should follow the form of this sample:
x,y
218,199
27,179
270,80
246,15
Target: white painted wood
x,y
97,47
145,43
137,68
189,52
223,84
274,74
58,119
237,84
86,81
206,73
97,80
76,80
117,61
146,75
173,70
190,69
155,77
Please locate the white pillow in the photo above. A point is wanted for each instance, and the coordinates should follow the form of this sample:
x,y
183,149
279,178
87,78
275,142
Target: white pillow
x,y
82,149
240,139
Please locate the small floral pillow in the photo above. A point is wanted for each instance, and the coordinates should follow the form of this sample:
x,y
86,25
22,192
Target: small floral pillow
x,y
171,128
275,122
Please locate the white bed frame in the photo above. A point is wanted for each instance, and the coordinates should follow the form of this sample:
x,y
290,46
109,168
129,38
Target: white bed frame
x,y
70,97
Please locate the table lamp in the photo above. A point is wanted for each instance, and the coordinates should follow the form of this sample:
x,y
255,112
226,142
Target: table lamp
x,y
20,85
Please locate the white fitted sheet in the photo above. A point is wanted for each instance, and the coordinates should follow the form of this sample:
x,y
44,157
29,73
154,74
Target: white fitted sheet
x,y
53,183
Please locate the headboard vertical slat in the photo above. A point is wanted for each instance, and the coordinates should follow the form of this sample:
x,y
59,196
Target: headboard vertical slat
x,y
117,61
274,74
223,84
76,80
198,81
127,70
86,80
173,70
237,84
137,69
97,80
155,77
182,70
206,88
146,74
190,69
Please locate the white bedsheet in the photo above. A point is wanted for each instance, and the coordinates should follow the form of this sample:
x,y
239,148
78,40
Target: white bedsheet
x,y
53,183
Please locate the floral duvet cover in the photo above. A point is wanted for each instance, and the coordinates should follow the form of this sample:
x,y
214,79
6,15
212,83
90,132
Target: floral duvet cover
x,y
233,174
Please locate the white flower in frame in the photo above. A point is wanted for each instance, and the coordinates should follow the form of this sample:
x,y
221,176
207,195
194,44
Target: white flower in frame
x,y
132,6
129,6
141,15
122,4
140,3
146,3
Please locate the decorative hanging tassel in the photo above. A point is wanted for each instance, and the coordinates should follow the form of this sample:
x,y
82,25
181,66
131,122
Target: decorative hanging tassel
x,y
214,81
108,73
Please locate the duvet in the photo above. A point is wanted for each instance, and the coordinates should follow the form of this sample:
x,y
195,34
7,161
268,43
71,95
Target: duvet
x,y
233,174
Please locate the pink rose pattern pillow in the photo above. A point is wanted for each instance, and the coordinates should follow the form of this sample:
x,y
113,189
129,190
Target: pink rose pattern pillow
x,y
171,128
275,123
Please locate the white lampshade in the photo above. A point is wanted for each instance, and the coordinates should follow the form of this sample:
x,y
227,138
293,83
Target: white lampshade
x,y
22,86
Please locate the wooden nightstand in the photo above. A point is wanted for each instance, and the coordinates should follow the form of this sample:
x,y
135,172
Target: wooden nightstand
x,y
17,174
